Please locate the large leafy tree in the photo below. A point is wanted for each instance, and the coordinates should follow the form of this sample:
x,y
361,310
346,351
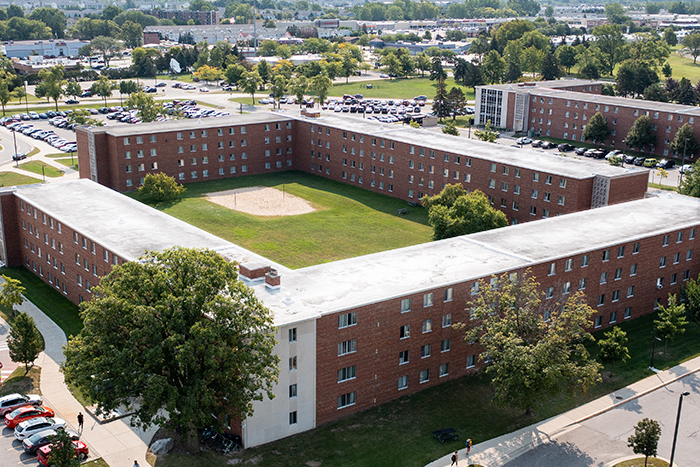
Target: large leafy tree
x,y
149,109
178,331
132,34
249,82
634,77
160,187
691,295
493,68
25,342
690,185
613,347
691,45
279,88
454,212
597,129
611,46
107,46
320,85
52,83
641,133
53,18
299,86
684,143
671,320
103,87
645,439
11,293
550,67
535,346
457,101
487,134
670,37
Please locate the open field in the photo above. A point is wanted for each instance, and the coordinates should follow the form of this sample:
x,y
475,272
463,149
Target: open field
x,y
42,169
683,67
404,88
349,221
12,179
398,433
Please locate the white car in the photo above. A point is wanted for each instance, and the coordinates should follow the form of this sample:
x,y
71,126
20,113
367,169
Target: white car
x,y
686,169
29,427
523,140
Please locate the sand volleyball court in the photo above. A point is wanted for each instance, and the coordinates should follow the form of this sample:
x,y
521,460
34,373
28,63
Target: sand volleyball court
x,y
261,201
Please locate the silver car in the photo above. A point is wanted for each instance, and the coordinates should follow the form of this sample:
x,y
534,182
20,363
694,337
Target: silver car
x,y
29,427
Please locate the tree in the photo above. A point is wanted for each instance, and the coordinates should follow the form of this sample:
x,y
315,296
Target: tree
x,y
684,143
450,128
641,133
549,11
437,72
655,93
513,55
633,78
645,439
73,89
201,5
616,13
160,187
249,83
5,94
454,212
691,295
320,85
690,185
349,65
149,110
25,341
671,320
550,67
19,93
128,87
131,34
535,347
493,67
611,45
279,88
456,101
53,18
52,83
107,46
691,45
441,102
103,87
566,56
670,37
264,71
11,293
179,332
234,73
62,452
597,129
207,73
487,134
686,94
667,70
84,117
613,347
423,63
298,87
678,8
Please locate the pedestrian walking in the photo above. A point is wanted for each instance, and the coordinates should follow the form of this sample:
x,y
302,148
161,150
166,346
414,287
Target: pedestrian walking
x,y
455,459
136,463
81,419
468,444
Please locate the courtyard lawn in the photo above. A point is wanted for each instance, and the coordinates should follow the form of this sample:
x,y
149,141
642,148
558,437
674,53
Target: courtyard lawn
x,y
36,167
349,221
683,67
72,163
12,179
398,433
397,88
57,307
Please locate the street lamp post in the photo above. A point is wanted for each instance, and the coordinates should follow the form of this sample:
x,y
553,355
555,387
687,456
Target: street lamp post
x,y
42,173
26,96
653,351
685,146
624,148
71,158
675,432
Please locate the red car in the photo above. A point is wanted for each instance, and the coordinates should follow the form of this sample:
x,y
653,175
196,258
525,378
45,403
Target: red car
x,y
81,452
17,416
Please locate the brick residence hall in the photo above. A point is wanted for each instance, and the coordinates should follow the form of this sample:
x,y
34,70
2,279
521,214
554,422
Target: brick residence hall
x,y
362,331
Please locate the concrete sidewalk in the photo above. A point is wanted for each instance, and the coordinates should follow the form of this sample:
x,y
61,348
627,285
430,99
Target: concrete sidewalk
x,y
499,451
116,442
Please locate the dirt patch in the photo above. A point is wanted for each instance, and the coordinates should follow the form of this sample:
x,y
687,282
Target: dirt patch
x,y
261,201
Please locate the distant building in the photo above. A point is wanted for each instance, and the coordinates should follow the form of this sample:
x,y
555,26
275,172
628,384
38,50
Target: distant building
x,y
199,17
50,48
37,63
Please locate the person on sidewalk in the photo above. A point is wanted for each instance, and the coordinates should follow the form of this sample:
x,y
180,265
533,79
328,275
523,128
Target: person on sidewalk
x,y
80,421
468,444
136,463
455,459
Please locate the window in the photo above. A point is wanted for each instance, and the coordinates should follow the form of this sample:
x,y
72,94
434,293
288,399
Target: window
x,y
444,369
493,167
689,255
549,293
567,288
635,248
662,262
127,141
618,274
676,258
427,300
584,261
427,325
346,400
347,373
405,331
347,347
405,305
449,294
598,321
604,278
562,183
347,319
425,351
633,270
293,335
447,320
692,234
552,269
613,317
679,237
534,194
292,363
620,252
403,382
293,418
403,357
445,345
616,296
601,300
582,283
665,240
424,376
569,264
630,291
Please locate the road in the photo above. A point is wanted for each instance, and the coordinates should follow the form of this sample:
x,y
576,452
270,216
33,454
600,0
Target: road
x,y
603,438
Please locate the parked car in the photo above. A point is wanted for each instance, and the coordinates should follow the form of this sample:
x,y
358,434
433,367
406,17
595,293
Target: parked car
x,y
565,147
32,444
599,154
72,101
86,93
666,164
686,169
651,162
613,153
160,85
523,140
536,144
29,427
17,416
14,401
639,161
548,145
629,159
81,452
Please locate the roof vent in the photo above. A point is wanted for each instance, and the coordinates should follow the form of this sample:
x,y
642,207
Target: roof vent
x,y
272,279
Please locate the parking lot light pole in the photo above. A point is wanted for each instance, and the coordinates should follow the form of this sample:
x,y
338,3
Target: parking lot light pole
x,y
14,136
42,173
624,147
675,432
653,351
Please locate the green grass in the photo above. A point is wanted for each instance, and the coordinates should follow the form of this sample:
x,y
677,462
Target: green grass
x,y
183,78
398,88
36,167
639,462
22,383
683,67
349,221
96,463
248,100
62,311
73,164
12,179
662,187
56,155
398,433
33,152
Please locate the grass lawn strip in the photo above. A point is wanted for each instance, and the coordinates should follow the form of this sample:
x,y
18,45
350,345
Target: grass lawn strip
x,y
398,88
639,462
349,221
12,179
58,308
36,167
18,382
73,164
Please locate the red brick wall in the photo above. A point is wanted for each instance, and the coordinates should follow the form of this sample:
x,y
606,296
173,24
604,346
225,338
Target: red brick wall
x,y
9,209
